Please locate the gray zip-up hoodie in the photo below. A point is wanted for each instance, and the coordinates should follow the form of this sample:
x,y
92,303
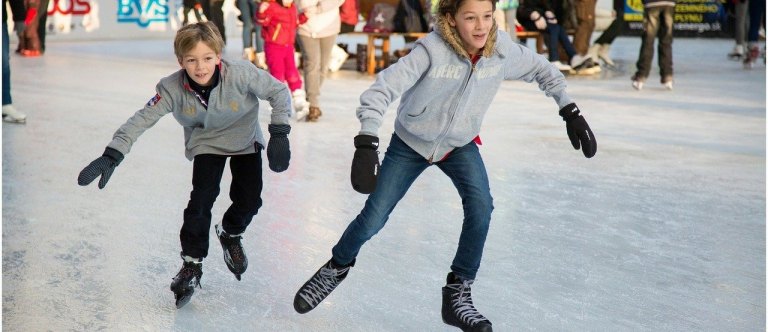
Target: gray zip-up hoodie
x,y
229,126
444,96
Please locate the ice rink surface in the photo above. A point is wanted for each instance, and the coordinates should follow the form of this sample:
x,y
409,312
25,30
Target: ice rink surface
x,y
663,230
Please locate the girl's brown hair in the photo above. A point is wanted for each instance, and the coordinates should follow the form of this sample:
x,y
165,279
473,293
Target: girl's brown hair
x,y
189,35
451,7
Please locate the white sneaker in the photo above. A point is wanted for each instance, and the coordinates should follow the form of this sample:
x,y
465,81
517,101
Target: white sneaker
x,y
561,66
10,114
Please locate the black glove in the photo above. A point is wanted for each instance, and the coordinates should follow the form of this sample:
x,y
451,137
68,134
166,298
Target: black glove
x,y
578,130
365,164
103,166
278,149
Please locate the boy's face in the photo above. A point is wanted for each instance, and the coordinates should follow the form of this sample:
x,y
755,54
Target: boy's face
x,y
473,21
200,63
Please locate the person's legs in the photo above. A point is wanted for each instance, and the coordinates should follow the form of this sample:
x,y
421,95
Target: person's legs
x,y
292,75
553,37
206,175
756,12
401,166
42,25
585,16
245,192
246,13
310,50
665,43
466,169
6,67
613,30
326,48
650,29
275,61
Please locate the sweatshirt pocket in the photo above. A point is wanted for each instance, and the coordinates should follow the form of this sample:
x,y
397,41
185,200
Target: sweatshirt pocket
x,y
426,124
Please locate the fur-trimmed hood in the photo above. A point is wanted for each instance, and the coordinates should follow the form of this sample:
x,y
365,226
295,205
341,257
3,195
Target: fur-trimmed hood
x,y
452,38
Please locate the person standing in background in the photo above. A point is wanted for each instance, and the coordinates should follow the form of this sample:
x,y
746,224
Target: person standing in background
x,y
756,14
212,9
740,29
601,49
509,8
10,114
253,43
317,37
658,19
349,14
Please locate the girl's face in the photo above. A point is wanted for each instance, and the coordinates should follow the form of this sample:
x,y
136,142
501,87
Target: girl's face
x,y
473,21
200,63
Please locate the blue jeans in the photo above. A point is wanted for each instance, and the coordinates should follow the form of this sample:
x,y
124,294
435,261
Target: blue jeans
x,y
6,68
557,35
248,11
657,21
400,168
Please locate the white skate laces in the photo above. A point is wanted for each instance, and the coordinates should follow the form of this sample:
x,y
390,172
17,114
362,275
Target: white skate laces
x,y
322,284
461,303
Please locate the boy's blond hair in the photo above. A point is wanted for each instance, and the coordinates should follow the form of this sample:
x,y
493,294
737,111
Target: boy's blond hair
x,y
189,35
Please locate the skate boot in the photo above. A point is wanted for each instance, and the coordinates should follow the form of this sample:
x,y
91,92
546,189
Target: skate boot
x,y
752,54
261,60
638,82
314,114
234,255
667,82
317,288
300,104
10,114
738,53
604,53
458,309
183,284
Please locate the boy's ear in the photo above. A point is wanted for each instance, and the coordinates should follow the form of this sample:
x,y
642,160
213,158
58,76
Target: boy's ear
x,y
218,59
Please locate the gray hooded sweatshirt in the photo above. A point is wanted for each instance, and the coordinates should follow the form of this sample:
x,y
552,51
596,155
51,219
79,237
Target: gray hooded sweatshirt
x,y
230,124
444,96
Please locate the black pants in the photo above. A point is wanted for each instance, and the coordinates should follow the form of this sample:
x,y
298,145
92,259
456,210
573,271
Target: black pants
x,y
213,12
245,193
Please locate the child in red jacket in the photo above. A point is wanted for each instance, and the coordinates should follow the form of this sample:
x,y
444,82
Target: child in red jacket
x,y
279,20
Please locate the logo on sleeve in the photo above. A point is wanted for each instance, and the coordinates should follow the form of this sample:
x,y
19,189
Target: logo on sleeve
x,y
154,100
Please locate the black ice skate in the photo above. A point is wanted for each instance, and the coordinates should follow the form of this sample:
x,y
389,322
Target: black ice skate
x,y
458,309
317,288
234,255
183,284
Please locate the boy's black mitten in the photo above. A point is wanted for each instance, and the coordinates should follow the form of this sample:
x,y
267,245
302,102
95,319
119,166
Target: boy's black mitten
x,y
103,166
278,148
365,164
578,130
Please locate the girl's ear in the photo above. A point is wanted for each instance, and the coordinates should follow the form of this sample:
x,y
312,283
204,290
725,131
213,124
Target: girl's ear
x,y
218,59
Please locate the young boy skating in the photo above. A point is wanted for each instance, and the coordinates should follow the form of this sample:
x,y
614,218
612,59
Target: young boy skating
x,y
445,85
217,103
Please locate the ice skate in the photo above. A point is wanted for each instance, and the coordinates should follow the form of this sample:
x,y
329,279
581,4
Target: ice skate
x,y
10,114
261,60
300,104
638,82
234,255
249,53
737,54
667,82
183,284
751,57
314,114
317,288
458,309
604,53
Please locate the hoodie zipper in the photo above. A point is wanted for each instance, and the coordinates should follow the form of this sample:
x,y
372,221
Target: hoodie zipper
x,y
453,114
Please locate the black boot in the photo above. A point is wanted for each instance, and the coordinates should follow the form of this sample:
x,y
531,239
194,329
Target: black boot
x,y
458,309
183,284
234,255
322,283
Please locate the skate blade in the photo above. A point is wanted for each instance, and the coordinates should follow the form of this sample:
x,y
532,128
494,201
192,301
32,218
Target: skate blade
x,y
183,299
12,120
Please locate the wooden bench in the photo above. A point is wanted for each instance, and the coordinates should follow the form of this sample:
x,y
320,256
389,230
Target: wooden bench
x,y
381,41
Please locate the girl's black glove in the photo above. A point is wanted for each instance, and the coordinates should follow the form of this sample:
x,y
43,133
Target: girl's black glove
x,y
365,164
278,148
103,166
578,130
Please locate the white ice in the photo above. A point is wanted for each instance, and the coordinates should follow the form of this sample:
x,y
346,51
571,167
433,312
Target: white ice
x,y
663,230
